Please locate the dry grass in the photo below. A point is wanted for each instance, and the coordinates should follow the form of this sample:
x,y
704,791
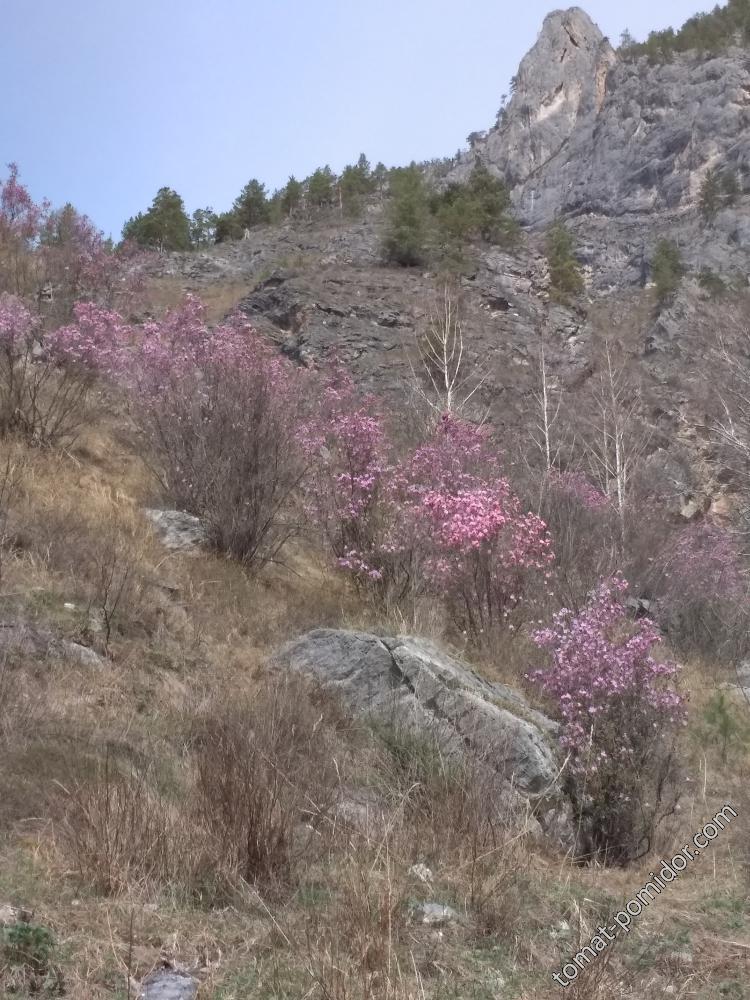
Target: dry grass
x,y
172,802
220,298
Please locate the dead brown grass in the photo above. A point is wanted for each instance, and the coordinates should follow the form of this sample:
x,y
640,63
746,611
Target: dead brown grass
x,y
171,802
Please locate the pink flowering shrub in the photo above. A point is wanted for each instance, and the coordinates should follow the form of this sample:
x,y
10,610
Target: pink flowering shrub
x,y
75,264
439,520
585,528
58,258
225,417
702,589
579,488
46,379
477,549
346,496
20,222
619,715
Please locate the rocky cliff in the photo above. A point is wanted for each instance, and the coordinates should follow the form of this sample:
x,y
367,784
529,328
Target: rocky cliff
x,y
620,148
588,133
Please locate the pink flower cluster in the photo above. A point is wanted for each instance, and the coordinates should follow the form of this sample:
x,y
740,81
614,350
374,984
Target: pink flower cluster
x,y
604,682
440,518
17,326
702,565
577,486
95,340
70,255
20,216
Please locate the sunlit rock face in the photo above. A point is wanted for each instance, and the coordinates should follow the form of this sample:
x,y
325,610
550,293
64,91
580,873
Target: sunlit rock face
x,y
586,132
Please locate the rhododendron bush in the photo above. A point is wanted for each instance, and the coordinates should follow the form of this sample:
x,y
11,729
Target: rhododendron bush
x,y
702,590
584,524
440,519
619,715
224,415
46,379
57,258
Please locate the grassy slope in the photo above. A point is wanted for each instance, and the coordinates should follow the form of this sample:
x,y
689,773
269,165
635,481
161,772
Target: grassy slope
x,y
192,632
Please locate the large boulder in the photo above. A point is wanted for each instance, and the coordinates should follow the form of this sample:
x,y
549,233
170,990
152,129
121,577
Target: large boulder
x,y
411,682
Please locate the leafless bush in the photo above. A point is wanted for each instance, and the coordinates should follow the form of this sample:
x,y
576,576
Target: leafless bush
x,y
357,954
112,566
586,537
227,442
18,706
12,470
121,832
263,766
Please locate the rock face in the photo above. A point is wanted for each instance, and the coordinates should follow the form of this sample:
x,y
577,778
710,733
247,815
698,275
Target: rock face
x,y
586,132
411,682
177,530
169,984
560,84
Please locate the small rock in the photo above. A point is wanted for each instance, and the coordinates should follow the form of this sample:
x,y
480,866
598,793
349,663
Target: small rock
x,y
13,915
435,914
83,655
176,529
422,872
362,809
681,958
169,984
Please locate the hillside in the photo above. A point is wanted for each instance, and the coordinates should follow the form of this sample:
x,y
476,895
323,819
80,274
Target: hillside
x,y
378,632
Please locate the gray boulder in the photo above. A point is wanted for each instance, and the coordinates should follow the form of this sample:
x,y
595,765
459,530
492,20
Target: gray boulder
x,y
410,682
169,984
177,530
435,914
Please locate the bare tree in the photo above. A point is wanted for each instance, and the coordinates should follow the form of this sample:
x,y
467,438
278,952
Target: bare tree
x,y
619,437
549,400
454,379
733,427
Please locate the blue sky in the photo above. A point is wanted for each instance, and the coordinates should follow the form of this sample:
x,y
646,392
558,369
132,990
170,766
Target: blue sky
x,y
104,101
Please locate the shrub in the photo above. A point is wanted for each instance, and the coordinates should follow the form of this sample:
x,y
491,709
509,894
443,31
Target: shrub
x,y
224,415
476,546
28,946
584,525
619,714
440,520
479,208
46,379
668,270
261,765
58,257
345,495
722,727
564,274
120,832
702,585
408,222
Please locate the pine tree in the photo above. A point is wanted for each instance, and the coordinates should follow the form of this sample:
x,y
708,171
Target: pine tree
x,y
203,227
566,279
667,269
491,206
320,187
408,219
165,226
709,199
380,179
730,187
291,196
355,184
251,206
